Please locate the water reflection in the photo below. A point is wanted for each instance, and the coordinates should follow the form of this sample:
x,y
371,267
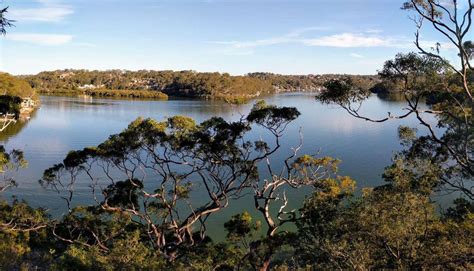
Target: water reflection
x,y
391,97
15,128
69,123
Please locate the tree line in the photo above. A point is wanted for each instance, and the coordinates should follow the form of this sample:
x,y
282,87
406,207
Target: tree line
x,y
179,83
12,91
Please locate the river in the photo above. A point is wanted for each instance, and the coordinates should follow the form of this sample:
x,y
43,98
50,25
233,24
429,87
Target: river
x,y
69,123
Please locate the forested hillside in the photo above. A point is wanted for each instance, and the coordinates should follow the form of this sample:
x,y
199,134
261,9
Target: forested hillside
x,y
12,86
179,83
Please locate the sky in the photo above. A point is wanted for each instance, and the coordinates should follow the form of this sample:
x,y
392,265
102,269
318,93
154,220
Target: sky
x,y
235,36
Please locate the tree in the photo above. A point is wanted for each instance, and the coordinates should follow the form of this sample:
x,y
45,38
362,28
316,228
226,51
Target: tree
x,y
445,86
9,165
180,155
383,229
21,226
164,163
4,22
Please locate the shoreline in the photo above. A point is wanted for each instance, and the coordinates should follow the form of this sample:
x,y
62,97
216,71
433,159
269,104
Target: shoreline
x,y
231,99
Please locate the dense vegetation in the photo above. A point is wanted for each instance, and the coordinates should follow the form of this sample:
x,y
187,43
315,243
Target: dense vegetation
x,y
289,83
12,91
111,93
15,87
181,83
143,181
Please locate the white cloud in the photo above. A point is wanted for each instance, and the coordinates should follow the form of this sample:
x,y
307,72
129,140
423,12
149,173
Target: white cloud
x,y
49,11
40,39
368,39
348,40
48,14
257,43
356,55
293,36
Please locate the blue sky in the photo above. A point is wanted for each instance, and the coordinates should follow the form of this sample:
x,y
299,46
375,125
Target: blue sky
x,y
235,36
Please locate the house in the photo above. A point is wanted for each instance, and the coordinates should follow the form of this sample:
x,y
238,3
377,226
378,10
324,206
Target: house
x,y
66,75
27,103
87,86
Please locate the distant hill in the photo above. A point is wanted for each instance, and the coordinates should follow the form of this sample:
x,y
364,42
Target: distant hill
x,y
16,87
17,97
179,83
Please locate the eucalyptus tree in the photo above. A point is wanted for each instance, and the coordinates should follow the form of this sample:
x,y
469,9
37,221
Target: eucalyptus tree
x,y
446,152
4,22
167,178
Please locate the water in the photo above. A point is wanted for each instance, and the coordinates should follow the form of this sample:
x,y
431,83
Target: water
x,y
69,123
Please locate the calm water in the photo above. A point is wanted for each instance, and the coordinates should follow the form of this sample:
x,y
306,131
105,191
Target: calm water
x,y
67,123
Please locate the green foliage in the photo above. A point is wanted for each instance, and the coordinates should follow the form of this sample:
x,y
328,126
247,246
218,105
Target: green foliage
x,y
23,236
123,194
382,230
406,134
241,225
10,162
127,253
12,91
10,105
394,226
149,84
15,87
415,72
288,83
342,91
144,94
389,227
271,116
4,22
461,210
155,84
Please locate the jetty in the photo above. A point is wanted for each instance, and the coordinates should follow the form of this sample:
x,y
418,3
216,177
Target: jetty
x,y
26,106
6,120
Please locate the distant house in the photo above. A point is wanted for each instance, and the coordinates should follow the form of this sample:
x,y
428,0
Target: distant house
x,y
87,86
27,103
66,75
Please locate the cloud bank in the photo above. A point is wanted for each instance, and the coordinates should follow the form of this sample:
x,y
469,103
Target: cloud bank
x,y
366,39
48,11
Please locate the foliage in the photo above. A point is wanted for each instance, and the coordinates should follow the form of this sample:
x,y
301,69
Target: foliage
x,y
4,22
16,87
241,225
392,227
10,162
441,159
148,84
10,105
179,155
137,222
384,229
151,84
12,91
23,236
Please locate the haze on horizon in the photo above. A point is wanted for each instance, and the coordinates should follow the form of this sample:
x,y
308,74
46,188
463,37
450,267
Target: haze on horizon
x,y
288,37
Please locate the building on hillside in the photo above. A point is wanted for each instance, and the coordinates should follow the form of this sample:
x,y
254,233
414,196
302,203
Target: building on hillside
x,y
87,86
66,75
27,103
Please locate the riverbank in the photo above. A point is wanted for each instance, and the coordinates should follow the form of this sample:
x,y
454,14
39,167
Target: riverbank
x,y
147,95
107,93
